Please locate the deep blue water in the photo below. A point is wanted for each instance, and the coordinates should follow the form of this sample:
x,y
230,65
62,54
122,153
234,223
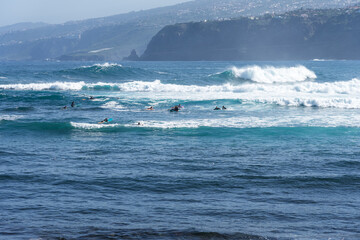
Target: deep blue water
x,y
281,162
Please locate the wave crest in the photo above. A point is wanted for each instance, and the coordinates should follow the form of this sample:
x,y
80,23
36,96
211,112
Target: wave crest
x,y
10,117
341,87
44,86
104,70
92,125
269,74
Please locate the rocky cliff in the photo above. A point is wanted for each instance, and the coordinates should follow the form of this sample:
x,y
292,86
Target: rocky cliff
x,y
297,35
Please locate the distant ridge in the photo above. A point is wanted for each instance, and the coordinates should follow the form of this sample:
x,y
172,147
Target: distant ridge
x,y
297,35
76,40
23,26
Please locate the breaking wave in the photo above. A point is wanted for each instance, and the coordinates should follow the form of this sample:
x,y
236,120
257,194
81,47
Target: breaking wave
x,y
253,122
104,70
114,106
92,125
269,74
341,87
341,94
246,122
74,86
10,117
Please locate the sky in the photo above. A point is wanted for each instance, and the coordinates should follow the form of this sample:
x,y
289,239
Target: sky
x,y
60,11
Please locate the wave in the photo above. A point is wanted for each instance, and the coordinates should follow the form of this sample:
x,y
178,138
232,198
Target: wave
x,y
253,122
10,117
341,94
64,127
76,86
245,122
114,106
93,125
321,60
104,70
341,87
269,74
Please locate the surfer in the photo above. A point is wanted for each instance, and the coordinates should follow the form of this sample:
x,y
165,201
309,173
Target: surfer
x,y
64,108
104,121
91,98
223,108
150,108
217,108
73,104
175,109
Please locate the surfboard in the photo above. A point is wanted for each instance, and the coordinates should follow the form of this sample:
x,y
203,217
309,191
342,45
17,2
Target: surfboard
x,y
109,120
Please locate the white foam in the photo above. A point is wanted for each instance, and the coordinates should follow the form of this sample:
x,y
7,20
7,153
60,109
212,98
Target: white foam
x,y
341,87
114,106
10,117
104,65
255,122
45,86
271,74
162,73
314,102
341,94
321,60
3,77
92,125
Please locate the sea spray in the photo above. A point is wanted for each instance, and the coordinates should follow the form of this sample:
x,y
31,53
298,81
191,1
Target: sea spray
x,y
90,126
270,74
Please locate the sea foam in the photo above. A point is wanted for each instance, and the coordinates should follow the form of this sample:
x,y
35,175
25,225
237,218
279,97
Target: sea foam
x,y
254,122
341,87
76,86
114,106
10,117
104,65
92,125
340,94
270,74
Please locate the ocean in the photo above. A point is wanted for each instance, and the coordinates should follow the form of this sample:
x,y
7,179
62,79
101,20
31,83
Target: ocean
x,y
282,161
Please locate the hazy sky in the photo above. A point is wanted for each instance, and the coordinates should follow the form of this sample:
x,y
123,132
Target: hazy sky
x,y
59,11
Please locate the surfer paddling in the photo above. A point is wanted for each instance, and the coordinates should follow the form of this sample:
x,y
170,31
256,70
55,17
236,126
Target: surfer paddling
x,y
106,120
174,109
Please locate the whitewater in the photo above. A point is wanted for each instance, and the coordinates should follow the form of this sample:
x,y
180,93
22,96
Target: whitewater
x,y
293,86
280,161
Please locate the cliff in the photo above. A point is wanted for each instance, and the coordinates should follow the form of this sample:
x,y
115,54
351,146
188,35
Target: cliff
x,y
118,34
297,35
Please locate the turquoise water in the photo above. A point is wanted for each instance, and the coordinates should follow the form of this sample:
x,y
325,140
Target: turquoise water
x,y
281,162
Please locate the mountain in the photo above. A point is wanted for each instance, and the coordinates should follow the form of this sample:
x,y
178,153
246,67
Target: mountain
x,y
296,35
21,27
112,38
